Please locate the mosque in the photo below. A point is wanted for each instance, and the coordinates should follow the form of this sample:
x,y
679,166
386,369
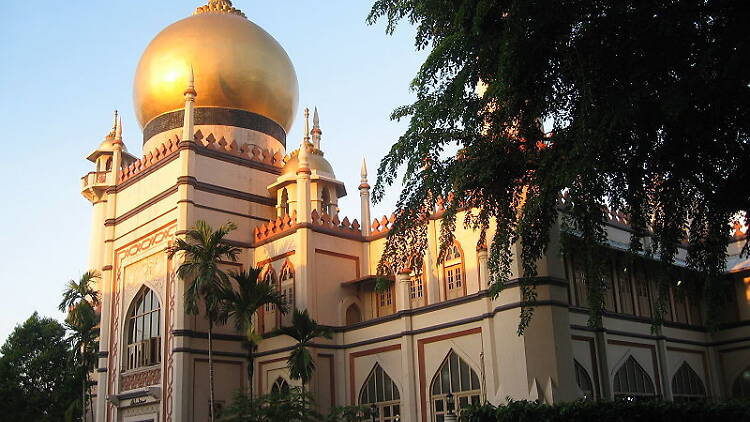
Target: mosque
x,y
215,96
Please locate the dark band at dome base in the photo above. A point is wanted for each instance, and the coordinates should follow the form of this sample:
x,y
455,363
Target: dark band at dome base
x,y
216,116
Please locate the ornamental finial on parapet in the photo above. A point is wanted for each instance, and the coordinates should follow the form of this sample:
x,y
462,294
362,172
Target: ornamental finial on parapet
x,y
118,131
306,136
219,6
316,132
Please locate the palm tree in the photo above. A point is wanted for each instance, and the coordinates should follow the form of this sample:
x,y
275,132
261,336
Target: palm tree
x,y
203,252
76,292
304,330
79,299
243,303
83,326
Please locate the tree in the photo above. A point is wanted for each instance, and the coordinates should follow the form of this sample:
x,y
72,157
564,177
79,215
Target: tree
x,y
304,330
241,304
288,406
36,381
641,107
82,324
203,252
77,292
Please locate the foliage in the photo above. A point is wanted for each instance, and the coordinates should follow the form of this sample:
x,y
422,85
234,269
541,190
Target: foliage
x,y
349,414
241,304
642,107
289,406
304,330
202,254
79,292
36,381
606,411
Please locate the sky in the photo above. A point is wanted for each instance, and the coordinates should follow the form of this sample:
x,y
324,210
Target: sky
x,y
68,64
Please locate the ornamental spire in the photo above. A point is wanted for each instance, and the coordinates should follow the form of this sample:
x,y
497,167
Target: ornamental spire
x,y
118,130
363,172
219,6
306,138
316,132
111,134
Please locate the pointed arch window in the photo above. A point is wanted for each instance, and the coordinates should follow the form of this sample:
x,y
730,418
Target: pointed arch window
x,y
144,330
280,386
687,385
353,314
270,313
584,381
380,390
286,284
326,206
632,382
741,386
453,269
454,376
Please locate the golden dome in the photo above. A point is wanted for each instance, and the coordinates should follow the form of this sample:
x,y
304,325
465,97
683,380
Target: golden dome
x,y
237,66
317,163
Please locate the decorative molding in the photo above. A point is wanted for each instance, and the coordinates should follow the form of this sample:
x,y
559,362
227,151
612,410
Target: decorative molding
x,y
140,379
273,259
285,224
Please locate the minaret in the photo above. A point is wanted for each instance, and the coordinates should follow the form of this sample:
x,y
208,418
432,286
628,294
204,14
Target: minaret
x,y
364,194
189,118
306,137
303,175
316,132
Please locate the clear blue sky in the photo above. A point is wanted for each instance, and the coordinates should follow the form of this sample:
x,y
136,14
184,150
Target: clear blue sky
x,y
68,64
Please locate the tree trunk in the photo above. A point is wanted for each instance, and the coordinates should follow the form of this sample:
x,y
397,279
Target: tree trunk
x,y
91,402
210,371
83,396
250,368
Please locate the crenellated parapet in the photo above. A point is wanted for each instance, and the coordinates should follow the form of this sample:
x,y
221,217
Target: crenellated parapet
x,y
325,221
151,158
247,151
274,227
383,225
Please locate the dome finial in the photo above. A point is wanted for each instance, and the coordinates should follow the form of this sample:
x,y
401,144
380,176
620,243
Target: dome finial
x,y
219,6
363,171
316,132
111,134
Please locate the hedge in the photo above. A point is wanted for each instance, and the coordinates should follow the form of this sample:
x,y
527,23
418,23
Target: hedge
x,y
610,411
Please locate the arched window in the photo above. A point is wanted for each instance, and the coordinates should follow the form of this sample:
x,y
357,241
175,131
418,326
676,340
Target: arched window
x,y
453,266
270,313
687,385
280,386
380,390
108,164
385,303
631,382
353,314
741,386
144,330
584,381
284,204
454,376
286,284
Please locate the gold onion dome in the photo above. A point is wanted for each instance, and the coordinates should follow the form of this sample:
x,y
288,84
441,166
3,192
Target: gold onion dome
x,y
237,66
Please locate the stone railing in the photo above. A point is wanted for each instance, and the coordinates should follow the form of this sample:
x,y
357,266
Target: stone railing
x,y
94,179
334,223
274,227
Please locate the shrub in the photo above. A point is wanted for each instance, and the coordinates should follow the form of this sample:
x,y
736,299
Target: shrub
x,y
609,411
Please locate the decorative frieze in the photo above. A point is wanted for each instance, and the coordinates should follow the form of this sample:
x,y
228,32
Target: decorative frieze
x,y
140,379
